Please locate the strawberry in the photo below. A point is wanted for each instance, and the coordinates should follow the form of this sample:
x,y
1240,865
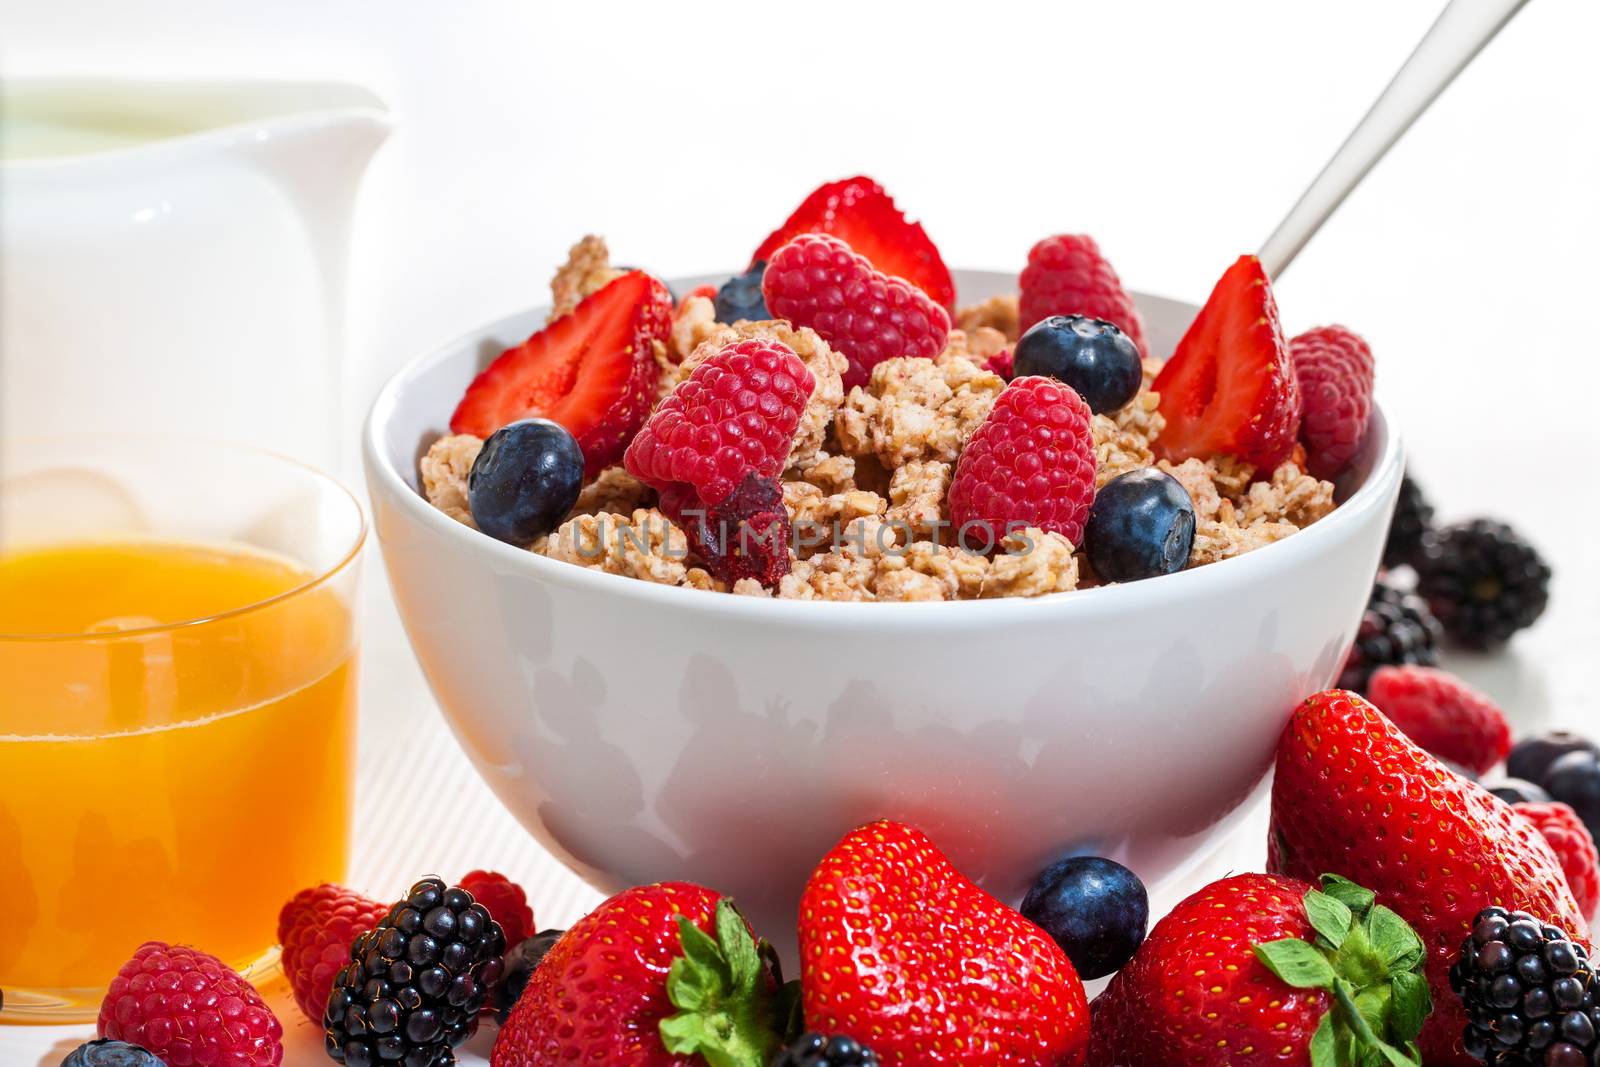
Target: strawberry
x,y
1256,970
864,216
594,371
1230,389
901,952
1352,793
661,975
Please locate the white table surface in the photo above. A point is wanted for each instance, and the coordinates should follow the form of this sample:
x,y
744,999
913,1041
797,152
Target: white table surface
x,y
1467,258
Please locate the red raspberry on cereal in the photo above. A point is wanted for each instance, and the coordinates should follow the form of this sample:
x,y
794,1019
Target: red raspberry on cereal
x,y
1001,363
1570,840
1334,366
1442,714
819,281
316,929
714,448
187,1006
1067,275
859,212
1031,463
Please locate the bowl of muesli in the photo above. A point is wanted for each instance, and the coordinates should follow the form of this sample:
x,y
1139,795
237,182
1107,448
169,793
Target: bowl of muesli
x,y
652,712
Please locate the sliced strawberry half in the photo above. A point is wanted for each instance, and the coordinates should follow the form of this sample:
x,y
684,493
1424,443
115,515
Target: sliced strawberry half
x,y
1230,389
860,213
594,371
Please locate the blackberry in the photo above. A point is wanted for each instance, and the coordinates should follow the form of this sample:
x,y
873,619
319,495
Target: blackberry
x,y
1413,517
103,1052
815,1050
1529,994
520,964
740,296
416,982
1397,629
1483,581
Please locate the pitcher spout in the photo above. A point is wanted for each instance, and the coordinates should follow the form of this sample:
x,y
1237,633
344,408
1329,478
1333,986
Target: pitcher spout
x,y
316,150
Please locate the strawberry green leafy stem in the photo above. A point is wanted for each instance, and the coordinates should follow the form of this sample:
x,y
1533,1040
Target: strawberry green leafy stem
x,y
1370,962
733,1008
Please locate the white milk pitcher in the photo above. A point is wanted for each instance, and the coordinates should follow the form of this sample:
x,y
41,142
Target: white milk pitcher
x,y
173,257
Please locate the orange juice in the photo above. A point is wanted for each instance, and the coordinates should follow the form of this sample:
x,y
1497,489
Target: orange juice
x,y
176,740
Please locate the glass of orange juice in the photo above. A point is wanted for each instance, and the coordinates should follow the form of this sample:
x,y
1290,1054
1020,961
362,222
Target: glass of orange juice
x,y
177,704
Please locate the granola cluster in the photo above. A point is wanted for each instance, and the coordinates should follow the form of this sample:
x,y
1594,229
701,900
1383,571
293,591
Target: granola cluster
x,y
869,473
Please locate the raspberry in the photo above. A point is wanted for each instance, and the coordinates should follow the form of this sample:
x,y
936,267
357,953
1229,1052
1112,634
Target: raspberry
x,y
747,535
1031,463
1334,366
1000,363
506,901
316,929
818,281
1443,714
735,415
188,1007
714,448
1067,275
1574,847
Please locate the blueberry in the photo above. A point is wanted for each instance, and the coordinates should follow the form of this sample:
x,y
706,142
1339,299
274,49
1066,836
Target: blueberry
x,y
1530,758
1091,355
1518,791
104,1052
1141,525
1574,779
740,296
1095,909
525,481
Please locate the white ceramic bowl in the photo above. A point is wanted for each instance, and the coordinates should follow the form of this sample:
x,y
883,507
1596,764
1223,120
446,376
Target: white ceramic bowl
x,y
645,732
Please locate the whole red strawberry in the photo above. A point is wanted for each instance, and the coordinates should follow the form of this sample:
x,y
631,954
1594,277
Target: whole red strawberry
x,y
1067,275
506,900
1353,794
1243,973
1334,368
658,976
1030,463
1229,388
316,929
859,213
1443,714
188,1007
594,371
821,282
714,448
899,950
1570,840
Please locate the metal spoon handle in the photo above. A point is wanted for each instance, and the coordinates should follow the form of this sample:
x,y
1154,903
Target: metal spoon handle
x,y
1456,36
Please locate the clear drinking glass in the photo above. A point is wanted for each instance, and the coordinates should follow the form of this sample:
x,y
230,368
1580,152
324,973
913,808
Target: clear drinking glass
x,y
177,703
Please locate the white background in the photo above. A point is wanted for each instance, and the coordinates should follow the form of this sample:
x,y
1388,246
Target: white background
x,y
1177,133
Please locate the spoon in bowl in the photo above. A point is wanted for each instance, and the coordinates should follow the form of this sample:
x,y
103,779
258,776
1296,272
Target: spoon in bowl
x,y
1454,39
